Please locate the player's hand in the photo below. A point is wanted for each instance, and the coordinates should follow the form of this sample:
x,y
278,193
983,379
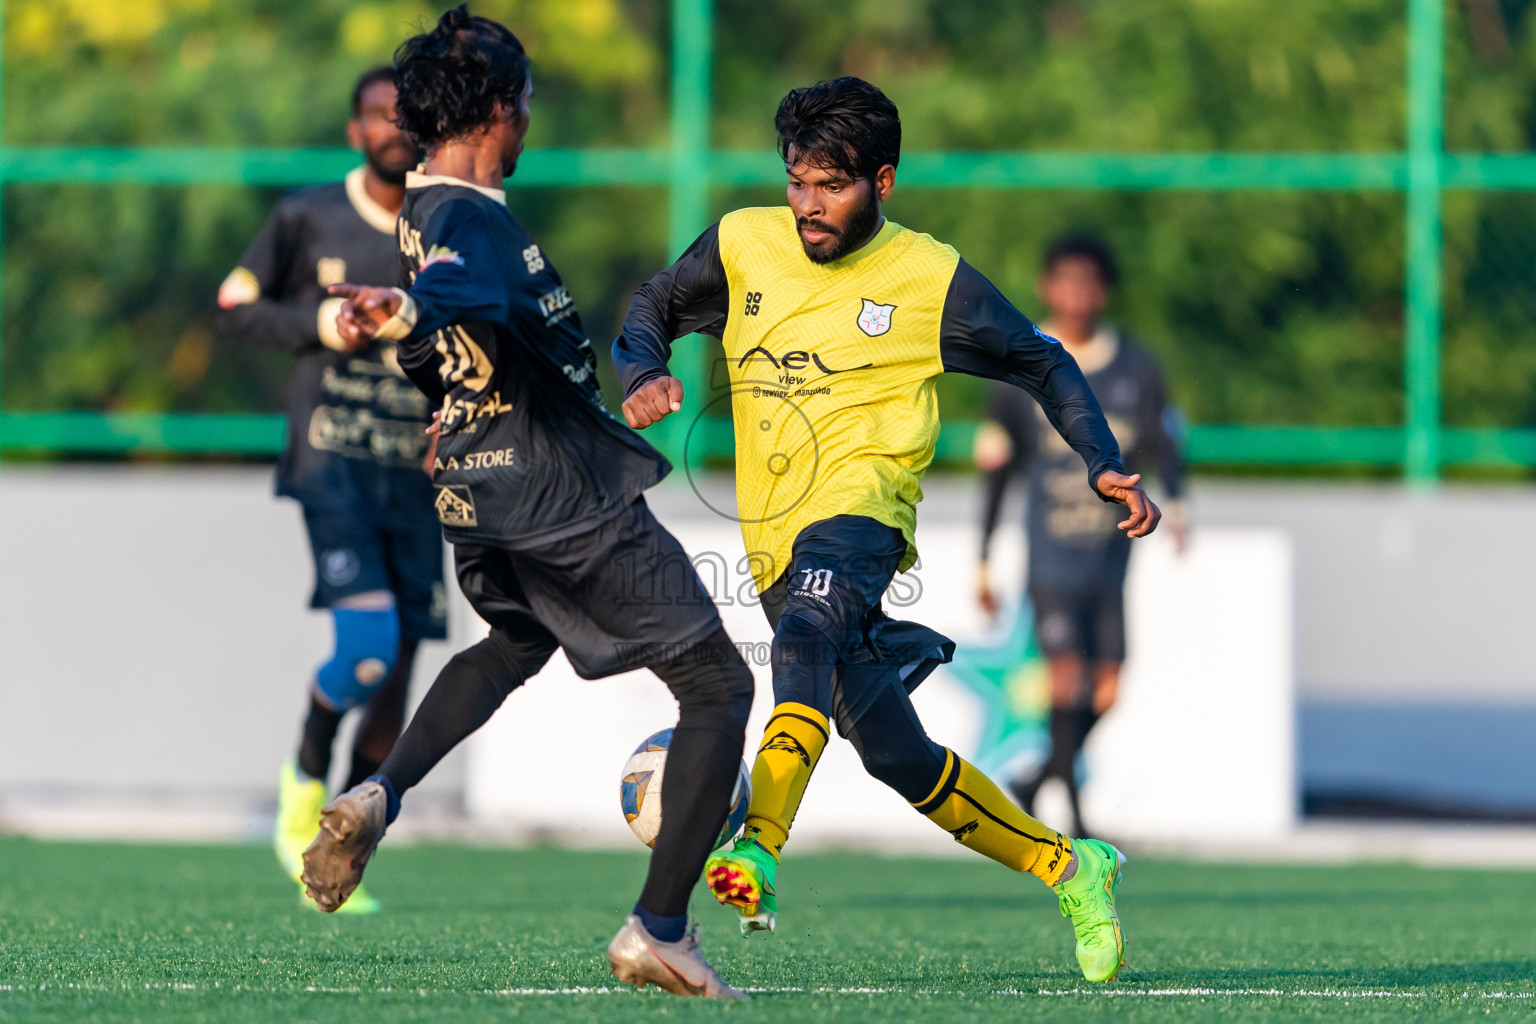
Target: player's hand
x,y
984,595
655,400
429,461
1143,513
365,311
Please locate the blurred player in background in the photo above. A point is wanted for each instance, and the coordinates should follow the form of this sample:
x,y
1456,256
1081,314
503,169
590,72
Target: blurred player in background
x,y
541,492
1077,558
836,323
353,459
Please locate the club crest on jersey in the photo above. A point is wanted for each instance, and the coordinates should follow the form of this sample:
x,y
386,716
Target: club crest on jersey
x,y
875,319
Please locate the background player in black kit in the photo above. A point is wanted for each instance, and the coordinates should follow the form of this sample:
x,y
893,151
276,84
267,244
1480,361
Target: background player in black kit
x,y
540,490
353,458
1077,558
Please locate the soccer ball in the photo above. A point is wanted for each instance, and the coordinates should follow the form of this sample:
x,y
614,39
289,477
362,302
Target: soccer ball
x,y
640,791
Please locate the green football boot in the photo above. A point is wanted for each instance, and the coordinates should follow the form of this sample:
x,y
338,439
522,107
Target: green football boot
x,y
742,877
299,801
299,804
1088,900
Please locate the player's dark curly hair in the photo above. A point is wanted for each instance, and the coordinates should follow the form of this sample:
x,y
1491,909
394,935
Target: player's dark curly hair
x,y
450,79
846,124
1084,245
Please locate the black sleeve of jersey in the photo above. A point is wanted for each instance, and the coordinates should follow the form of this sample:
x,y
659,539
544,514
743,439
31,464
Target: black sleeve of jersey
x,y
1012,410
272,321
465,283
1160,444
982,334
691,296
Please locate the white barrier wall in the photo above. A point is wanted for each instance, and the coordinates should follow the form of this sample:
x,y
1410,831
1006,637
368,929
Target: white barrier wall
x,y
1202,740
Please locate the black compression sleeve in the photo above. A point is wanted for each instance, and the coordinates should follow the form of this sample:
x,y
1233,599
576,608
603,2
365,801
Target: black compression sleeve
x,y
691,296
1012,410
982,334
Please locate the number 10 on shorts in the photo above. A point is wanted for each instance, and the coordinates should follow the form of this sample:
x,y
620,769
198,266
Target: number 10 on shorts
x,y
816,581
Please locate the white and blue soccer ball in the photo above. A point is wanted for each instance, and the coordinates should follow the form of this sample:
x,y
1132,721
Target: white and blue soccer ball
x,y
640,791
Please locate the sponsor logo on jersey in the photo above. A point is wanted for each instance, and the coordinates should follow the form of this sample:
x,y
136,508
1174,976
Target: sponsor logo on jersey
x,y
533,259
787,743
551,303
441,254
240,288
330,270
792,361
455,506
875,319
494,459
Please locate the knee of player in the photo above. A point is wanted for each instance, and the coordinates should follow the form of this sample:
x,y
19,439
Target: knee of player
x,y
367,646
720,684
799,640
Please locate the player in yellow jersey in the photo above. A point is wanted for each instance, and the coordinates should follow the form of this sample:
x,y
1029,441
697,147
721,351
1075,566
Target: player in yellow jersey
x,y
835,323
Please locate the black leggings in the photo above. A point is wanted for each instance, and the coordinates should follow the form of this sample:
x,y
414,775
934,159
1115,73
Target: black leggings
x,y
713,687
894,746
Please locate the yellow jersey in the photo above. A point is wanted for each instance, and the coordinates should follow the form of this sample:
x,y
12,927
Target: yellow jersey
x,y
831,369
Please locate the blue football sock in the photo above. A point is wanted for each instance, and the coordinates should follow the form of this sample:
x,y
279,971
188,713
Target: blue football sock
x,y
663,929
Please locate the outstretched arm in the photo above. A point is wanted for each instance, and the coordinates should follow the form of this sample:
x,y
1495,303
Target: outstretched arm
x,y
984,335
459,281
252,306
690,296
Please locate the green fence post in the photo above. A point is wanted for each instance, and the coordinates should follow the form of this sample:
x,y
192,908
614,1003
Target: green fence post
x,y
1426,138
693,38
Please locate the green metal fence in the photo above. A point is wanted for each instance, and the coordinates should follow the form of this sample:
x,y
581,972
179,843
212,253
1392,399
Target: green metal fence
x,y
689,168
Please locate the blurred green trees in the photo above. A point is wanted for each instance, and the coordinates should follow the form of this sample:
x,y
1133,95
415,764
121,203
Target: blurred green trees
x,y
1266,306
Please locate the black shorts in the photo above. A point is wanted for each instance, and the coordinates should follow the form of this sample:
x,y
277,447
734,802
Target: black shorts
x,y
353,556
1088,622
620,596
839,571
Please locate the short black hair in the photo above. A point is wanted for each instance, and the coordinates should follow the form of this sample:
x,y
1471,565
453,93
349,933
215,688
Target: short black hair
x,y
846,124
451,78
1084,245
371,77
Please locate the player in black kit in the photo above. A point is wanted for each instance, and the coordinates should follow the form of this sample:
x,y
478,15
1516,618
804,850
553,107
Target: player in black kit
x,y
353,458
540,491
1077,558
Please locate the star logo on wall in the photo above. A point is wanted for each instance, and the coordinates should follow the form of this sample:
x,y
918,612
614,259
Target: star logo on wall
x,y
1010,679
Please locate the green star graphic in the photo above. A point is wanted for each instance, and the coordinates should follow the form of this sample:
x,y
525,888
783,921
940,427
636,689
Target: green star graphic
x,y
1010,678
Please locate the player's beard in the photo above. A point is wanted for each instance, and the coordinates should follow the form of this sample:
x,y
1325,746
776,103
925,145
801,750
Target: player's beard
x,y
861,225
392,162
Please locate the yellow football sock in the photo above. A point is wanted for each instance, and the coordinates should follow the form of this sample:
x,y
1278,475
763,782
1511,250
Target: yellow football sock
x,y
792,744
970,807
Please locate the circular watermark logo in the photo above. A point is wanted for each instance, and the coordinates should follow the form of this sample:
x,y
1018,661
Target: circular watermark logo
x,y
787,435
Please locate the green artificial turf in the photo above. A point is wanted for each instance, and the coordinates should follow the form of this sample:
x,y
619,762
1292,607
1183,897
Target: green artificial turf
x,y
184,933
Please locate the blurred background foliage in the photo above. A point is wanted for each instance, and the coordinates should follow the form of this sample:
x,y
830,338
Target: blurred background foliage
x,y
1267,306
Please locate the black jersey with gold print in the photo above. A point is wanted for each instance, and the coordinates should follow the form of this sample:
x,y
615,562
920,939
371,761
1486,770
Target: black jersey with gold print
x,y
1074,543
528,453
355,423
